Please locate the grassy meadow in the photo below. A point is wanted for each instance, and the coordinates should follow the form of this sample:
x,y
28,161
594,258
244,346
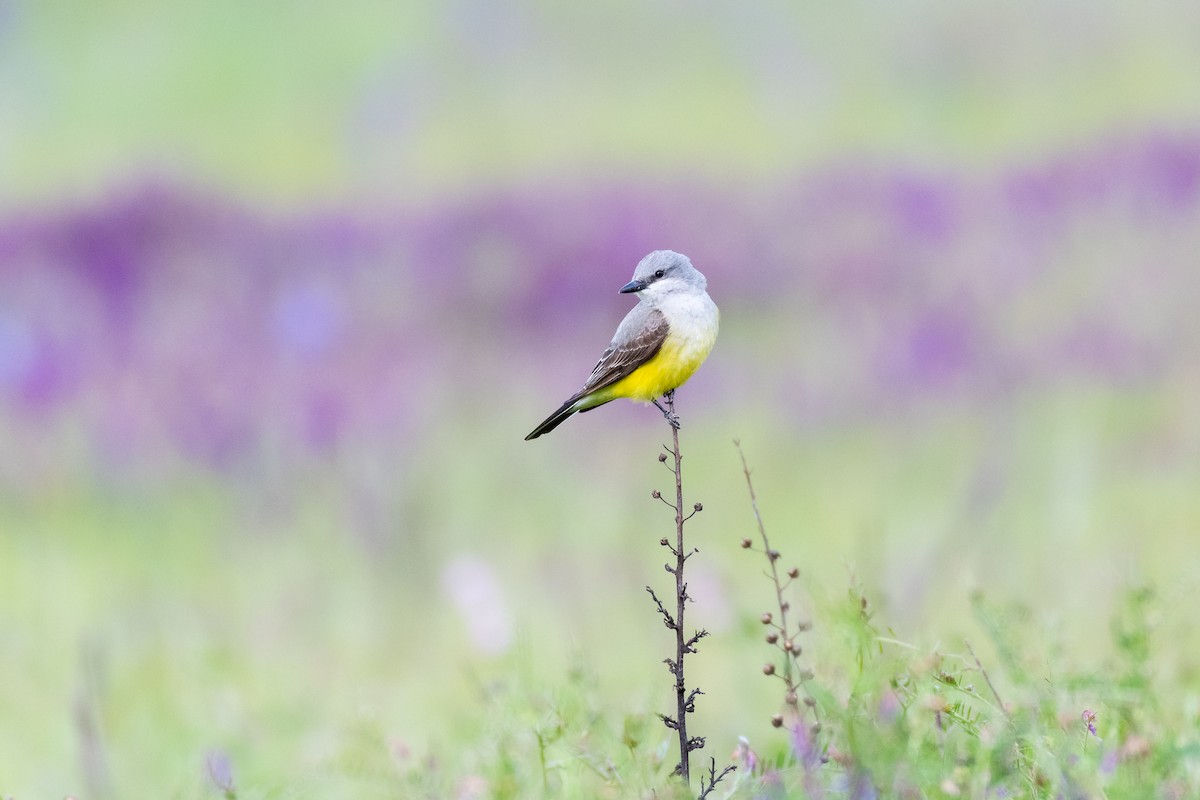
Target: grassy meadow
x,y
282,288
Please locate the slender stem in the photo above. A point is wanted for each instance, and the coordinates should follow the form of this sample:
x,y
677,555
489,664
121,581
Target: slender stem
x,y
681,647
685,701
793,676
1003,708
762,532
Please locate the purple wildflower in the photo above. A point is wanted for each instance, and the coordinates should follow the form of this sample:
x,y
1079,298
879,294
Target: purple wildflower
x,y
806,747
746,758
219,770
1089,720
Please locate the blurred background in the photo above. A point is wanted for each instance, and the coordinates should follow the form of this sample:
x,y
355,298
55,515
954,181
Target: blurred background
x,y
283,286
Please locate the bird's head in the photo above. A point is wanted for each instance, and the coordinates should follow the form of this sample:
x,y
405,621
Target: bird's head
x,y
662,273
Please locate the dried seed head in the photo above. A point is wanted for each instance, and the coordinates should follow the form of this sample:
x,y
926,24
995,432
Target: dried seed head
x,y
810,702
772,637
790,698
698,506
768,668
806,674
790,646
766,618
662,457
746,544
777,720
656,494
785,606
804,626
793,573
773,554
663,541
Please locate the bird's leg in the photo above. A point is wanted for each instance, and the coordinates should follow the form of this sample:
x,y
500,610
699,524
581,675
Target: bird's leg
x,y
669,411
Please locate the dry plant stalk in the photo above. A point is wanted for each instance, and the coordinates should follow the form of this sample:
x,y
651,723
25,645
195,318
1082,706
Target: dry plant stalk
x,y
781,634
685,700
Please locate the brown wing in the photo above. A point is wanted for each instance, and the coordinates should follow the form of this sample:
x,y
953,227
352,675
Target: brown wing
x,y
638,339
629,350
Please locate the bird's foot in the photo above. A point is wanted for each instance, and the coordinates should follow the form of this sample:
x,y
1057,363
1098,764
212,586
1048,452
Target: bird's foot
x,y
669,412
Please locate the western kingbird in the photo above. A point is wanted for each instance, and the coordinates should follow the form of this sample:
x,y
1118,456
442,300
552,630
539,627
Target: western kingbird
x,y
658,345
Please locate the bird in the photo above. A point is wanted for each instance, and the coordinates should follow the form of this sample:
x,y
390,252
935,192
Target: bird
x,y
661,342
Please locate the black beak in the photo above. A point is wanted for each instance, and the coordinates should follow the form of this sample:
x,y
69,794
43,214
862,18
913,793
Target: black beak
x,y
634,286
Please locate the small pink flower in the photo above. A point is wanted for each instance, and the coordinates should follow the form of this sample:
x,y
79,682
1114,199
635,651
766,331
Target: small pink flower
x,y
219,770
747,759
474,589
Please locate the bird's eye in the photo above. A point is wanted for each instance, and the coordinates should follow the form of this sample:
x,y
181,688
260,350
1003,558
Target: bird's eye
x,y
659,273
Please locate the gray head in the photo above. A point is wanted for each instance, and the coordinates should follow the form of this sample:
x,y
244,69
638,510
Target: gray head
x,y
662,273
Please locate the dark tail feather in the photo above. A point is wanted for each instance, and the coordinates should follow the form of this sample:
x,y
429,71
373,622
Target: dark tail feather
x,y
554,420
560,416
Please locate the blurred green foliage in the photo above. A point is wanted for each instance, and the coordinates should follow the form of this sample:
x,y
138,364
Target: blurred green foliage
x,y
367,99
326,664
256,519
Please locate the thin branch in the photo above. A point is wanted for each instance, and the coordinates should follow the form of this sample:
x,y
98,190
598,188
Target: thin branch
x,y
987,678
782,635
681,649
670,622
689,645
685,700
713,778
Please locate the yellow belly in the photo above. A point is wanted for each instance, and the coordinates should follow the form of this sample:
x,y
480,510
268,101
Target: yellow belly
x,y
670,368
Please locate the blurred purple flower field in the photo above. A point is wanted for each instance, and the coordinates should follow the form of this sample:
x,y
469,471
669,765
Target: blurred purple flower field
x,y
161,321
